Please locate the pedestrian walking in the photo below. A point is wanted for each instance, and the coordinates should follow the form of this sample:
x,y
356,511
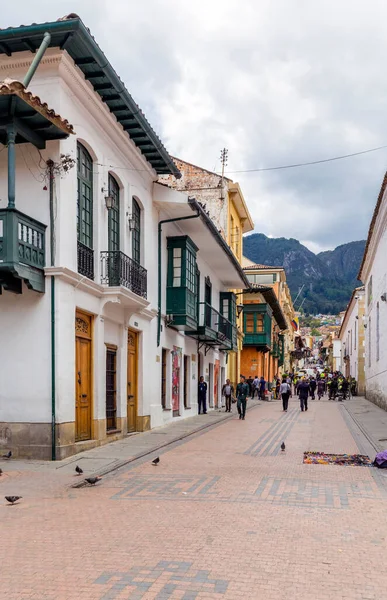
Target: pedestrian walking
x,y
312,387
289,382
262,388
250,383
303,393
285,393
242,391
202,396
255,387
228,392
320,388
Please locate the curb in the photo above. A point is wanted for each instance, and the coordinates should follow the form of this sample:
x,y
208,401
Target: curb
x,y
363,430
132,459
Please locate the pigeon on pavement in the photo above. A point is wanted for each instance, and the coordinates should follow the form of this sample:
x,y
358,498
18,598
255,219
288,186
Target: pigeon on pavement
x,y
93,480
78,470
156,461
8,455
12,499
283,446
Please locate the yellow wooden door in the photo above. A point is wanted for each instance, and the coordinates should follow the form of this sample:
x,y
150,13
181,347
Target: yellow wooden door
x,y
83,359
132,381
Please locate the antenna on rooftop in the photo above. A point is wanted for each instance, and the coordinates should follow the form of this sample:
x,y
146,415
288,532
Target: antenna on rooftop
x,y
224,161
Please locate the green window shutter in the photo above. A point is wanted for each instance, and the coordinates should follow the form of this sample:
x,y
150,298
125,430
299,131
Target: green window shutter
x,y
84,196
114,216
136,233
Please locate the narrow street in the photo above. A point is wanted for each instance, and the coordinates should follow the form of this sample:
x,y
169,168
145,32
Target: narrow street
x,y
225,514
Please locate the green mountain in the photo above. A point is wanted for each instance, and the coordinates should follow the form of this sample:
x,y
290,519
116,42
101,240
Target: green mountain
x,y
328,277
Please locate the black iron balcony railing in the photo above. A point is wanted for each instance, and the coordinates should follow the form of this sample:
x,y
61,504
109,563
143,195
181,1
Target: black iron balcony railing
x,y
85,261
222,329
118,269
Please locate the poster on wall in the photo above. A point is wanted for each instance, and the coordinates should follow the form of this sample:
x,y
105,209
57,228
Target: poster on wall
x,y
176,366
216,383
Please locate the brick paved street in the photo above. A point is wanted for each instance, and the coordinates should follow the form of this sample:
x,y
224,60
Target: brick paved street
x,y
225,515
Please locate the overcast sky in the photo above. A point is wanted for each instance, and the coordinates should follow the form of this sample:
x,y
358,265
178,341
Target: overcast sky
x,y
275,81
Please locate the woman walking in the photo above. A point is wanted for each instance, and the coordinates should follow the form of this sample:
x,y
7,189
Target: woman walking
x,y
285,393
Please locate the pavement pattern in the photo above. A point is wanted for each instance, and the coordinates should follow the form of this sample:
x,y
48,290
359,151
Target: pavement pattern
x,y
226,515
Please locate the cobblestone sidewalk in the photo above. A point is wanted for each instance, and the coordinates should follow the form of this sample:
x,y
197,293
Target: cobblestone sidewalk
x,y
226,514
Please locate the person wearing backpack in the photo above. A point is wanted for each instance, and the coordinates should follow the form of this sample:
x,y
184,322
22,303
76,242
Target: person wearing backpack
x,y
285,393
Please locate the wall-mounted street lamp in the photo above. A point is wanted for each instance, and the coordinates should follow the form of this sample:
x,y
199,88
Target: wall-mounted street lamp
x,y
109,201
239,309
131,221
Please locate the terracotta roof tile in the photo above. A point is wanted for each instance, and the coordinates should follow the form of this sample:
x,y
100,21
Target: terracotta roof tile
x,y
12,87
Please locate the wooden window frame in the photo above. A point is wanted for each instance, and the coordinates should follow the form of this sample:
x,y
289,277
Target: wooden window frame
x,y
136,232
84,203
114,216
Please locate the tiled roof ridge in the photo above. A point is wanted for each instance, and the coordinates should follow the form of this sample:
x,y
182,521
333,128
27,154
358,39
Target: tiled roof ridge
x,y
13,86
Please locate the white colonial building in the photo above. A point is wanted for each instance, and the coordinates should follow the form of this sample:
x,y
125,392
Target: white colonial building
x,y
373,273
351,336
114,289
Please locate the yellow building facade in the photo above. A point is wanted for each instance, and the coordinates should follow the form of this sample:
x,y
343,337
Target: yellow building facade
x,y
239,222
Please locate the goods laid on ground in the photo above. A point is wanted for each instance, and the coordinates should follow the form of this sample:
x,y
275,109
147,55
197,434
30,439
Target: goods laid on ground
x,y
351,460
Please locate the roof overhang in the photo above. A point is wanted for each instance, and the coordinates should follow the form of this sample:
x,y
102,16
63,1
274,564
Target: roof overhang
x,y
359,291
33,120
372,226
70,34
212,247
270,296
241,207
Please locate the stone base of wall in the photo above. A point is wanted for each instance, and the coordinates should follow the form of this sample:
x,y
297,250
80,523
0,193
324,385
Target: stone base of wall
x,y
33,440
378,398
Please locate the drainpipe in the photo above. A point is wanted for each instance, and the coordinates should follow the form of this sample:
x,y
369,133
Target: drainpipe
x,y
161,223
38,57
50,165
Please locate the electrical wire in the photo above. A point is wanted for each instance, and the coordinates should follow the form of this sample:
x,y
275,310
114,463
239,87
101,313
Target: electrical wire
x,y
314,162
277,168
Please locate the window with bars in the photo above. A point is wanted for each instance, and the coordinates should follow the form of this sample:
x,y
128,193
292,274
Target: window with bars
x,y
114,216
136,233
164,358
85,196
111,388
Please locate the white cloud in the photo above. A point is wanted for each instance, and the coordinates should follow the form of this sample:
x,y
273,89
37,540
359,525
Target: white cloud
x,y
275,82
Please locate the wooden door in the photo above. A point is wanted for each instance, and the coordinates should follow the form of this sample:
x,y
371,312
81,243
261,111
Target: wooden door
x,y
83,388
132,381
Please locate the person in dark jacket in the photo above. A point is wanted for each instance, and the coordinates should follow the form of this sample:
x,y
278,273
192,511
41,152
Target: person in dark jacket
x,y
242,392
262,387
303,393
202,396
312,387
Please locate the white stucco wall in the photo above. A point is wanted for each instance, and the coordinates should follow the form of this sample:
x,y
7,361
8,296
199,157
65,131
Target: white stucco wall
x,y
376,349
25,352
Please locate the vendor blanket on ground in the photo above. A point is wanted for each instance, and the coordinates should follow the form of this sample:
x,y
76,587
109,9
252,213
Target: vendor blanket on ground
x,y
352,460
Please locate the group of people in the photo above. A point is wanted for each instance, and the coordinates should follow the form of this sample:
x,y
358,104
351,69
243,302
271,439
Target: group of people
x,y
304,387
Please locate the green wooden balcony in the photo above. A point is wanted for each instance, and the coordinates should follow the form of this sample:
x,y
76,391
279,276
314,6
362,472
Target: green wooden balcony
x,y
182,308
22,251
257,326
